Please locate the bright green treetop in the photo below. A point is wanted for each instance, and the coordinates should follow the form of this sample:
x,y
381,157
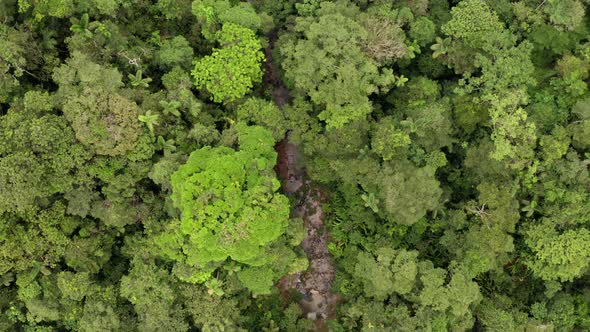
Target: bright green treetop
x,y
213,13
229,204
230,71
476,25
561,257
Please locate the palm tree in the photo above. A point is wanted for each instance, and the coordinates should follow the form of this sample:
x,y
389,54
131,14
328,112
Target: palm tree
x,y
440,47
166,145
81,26
150,120
137,80
171,107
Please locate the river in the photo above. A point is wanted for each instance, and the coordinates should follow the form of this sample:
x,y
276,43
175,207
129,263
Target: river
x,y
318,302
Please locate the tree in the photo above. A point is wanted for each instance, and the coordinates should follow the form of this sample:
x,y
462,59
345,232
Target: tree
x,y
390,272
581,127
474,24
385,40
514,137
174,9
106,122
214,13
80,72
264,113
423,30
229,208
230,71
14,60
388,140
137,79
175,52
498,315
150,119
409,193
429,125
566,14
99,315
149,289
87,252
39,242
38,155
209,311
47,8
337,78
557,256
74,286
504,69
399,292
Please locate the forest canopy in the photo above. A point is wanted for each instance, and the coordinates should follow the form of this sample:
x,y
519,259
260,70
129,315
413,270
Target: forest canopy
x,y
219,165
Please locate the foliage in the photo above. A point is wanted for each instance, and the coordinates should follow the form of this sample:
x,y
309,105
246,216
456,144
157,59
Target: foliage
x,y
175,52
214,13
105,122
229,208
339,79
557,256
149,151
38,154
407,195
263,113
230,71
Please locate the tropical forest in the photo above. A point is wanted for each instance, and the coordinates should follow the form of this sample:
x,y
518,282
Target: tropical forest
x,y
294,165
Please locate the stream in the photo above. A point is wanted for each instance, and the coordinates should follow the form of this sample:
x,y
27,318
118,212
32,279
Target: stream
x,y
318,303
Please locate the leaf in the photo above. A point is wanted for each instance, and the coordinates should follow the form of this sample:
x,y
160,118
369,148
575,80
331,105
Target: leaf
x,y
137,80
150,120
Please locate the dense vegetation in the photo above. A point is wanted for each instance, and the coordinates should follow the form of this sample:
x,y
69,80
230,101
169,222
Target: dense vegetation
x,y
450,138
